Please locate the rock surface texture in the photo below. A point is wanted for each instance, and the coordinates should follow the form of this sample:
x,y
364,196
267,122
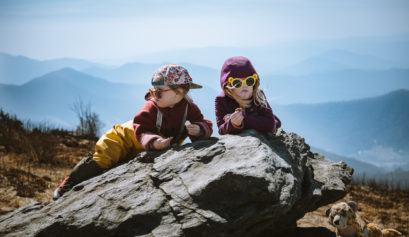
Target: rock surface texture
x,y
250,184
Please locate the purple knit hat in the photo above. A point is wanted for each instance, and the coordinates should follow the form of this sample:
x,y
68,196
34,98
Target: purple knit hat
x,y
237,66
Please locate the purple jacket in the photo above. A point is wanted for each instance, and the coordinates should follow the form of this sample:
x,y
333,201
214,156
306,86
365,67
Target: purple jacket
x,y
256,117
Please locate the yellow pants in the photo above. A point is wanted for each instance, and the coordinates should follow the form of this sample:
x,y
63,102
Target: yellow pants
x,y
119,143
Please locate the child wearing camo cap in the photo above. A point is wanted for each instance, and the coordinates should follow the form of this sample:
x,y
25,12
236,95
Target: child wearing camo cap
x,y
160,123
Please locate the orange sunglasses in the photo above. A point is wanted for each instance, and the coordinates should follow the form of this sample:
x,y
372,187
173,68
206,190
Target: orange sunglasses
x,y
155,93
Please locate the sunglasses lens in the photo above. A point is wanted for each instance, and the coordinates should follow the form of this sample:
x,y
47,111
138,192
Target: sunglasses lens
x,y
154,93
236,83
250,81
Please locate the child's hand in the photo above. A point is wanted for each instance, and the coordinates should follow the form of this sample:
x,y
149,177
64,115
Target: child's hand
x,y
237,118
226,117
193,129
162,143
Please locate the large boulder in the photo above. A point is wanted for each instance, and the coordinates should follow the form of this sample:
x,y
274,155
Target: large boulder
x,y
250,184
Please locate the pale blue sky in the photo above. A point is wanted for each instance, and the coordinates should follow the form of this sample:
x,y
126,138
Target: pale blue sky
x,y
96,30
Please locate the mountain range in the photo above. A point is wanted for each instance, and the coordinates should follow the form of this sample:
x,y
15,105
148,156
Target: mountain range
x,y
368,121
337,60
396,177
369,126
51,97
321,85
360,167
139,73
17,70
276,57
333,86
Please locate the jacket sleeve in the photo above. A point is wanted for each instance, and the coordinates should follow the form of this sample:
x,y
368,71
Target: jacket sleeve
x,y
225,127
264,121
144,124
195,116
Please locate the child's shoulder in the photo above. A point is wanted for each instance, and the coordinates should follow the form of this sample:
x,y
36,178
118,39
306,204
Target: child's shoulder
x,y
150,104
149,107
224,99
192,106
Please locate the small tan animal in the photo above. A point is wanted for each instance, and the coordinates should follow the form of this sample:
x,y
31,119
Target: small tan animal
x,y
348,223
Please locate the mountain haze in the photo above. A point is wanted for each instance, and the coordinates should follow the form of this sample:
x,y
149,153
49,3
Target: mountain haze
x,y
338,60
51,97
367,121
316,87
353,127
18,70
139,73
333,86
359,166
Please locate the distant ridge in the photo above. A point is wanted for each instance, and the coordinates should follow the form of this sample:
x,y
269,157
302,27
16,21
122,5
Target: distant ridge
x,y
18,70
352,126
338,60
360,167
141,73
65,75
50,97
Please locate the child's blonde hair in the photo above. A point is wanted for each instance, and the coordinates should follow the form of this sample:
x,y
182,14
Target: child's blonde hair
x,y
185,87
258,98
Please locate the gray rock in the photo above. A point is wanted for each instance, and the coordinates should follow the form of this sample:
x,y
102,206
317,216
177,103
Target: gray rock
x,y
250,184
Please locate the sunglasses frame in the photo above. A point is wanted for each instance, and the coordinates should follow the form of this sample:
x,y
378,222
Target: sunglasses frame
x,y
231,80
155,93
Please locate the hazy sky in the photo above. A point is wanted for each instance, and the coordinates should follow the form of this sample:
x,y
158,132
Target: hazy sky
x,y
92,29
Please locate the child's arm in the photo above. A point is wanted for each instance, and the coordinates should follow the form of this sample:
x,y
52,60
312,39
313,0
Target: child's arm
x,y
236,119
265,121
195,116
144,124
223,119
194,130
161,143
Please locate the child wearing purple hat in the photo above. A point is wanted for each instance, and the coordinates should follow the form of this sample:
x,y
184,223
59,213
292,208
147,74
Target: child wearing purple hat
x,y
160,123
241,104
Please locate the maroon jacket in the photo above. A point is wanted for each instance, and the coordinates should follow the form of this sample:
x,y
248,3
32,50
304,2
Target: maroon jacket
x,y
256,117
145,129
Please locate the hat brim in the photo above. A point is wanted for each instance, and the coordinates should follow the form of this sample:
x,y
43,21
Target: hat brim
x,y
194,86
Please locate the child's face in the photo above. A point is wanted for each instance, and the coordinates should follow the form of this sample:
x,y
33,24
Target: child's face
x,y
168,97
244,93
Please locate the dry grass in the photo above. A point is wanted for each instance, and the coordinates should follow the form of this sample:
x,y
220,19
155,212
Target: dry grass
x,y
24,181
34,159
33,162
387,208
